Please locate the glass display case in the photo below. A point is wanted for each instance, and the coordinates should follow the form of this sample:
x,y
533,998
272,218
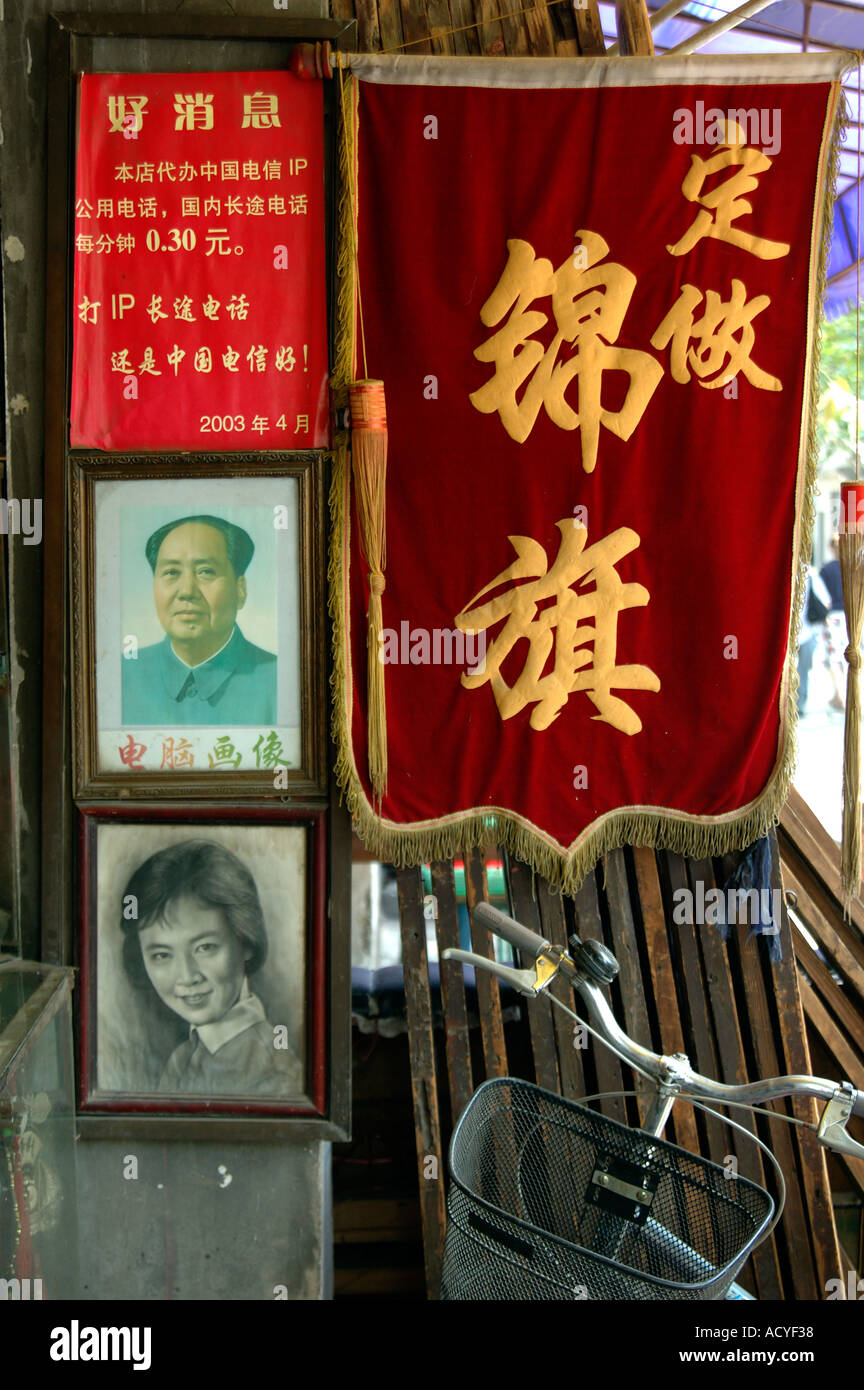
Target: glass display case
x,y
38,1234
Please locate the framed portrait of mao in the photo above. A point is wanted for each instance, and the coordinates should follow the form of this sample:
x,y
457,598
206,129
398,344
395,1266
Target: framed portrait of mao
x,y
198,627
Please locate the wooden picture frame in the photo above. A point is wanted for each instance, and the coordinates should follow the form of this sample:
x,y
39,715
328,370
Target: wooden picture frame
x,y
127,738
209,1001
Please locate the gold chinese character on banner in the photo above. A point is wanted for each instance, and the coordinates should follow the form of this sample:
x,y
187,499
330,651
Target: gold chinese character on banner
x,y
725,203
723,338
559,616
589,301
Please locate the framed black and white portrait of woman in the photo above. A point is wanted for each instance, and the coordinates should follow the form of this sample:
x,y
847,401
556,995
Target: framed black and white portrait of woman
x,y
204,962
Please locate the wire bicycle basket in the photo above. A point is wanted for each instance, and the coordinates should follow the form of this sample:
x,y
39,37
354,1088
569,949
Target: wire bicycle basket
x,y
550,1200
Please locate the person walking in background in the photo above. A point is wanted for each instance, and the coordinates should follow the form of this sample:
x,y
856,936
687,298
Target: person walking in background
x,y
835,628
817,606
831,577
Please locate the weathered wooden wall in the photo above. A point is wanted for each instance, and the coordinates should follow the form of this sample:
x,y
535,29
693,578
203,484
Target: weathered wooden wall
x,y
389,25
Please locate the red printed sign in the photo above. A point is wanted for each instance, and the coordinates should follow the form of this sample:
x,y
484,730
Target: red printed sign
x,y
199,304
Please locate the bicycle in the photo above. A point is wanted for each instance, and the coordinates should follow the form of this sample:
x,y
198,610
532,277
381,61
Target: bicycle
x,y
551,1200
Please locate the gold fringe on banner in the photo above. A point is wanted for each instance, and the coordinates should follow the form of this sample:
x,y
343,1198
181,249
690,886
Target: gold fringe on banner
x,y
566,866
851,546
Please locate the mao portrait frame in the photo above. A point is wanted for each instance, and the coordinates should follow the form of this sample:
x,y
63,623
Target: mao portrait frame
x,y
306,781
145,1112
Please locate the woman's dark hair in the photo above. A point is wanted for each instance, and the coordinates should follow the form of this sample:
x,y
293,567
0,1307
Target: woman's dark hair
x,y
198,869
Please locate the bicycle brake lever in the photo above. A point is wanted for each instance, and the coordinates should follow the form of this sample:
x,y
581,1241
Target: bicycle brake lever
x,y
528,982
832,1126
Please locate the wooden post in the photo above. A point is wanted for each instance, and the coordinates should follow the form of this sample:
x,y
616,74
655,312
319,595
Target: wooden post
x,y
589,30
427,1125
634,30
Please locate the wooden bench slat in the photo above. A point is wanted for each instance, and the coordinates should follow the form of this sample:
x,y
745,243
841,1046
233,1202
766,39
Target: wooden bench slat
x,y
700,1046
457,1038
527,911
569,1058
610,1075
730,1055
794,1058
488,992
830,992
418,1006
805,836
683,1119
850,965
626,952
848,1063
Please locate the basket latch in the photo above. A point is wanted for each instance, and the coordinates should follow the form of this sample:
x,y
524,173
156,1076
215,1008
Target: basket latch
x,y
622,1189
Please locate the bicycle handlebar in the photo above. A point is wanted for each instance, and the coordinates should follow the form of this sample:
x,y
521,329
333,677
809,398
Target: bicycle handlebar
x,y
525,940
675,1072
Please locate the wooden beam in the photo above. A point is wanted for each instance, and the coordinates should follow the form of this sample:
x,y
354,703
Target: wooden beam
x,y
657,18
589,30
634,30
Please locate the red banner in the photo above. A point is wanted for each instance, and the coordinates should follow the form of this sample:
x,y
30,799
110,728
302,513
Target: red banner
x,y
199,305
593,311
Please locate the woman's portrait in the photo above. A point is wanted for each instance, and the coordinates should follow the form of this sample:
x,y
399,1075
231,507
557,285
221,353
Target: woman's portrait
x,y
201,960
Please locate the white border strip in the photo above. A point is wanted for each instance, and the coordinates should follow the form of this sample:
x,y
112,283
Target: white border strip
x,y
703,70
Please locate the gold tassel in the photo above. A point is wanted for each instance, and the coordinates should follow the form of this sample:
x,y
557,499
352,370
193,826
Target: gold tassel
x,y
851,548
369,469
